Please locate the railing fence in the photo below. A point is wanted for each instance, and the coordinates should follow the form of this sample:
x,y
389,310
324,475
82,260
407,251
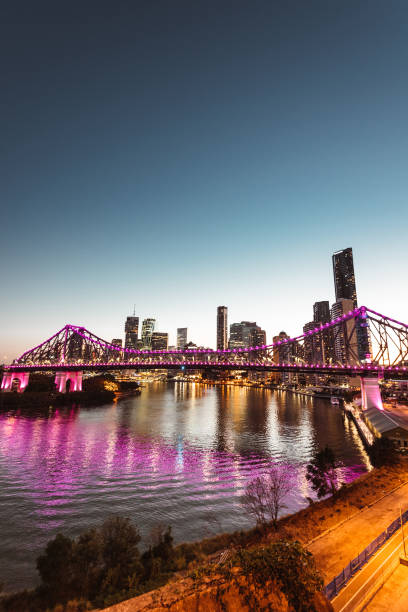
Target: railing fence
x,y
332,589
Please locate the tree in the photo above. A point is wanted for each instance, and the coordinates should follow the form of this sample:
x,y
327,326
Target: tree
x,y
55,569
120,554
160,557
322,472
87,564
100,565
265,495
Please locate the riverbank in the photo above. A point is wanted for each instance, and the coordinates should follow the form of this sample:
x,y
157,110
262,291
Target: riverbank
x,y
41,399
333,530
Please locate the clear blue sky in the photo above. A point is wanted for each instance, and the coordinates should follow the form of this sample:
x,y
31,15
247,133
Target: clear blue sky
x,y
180,155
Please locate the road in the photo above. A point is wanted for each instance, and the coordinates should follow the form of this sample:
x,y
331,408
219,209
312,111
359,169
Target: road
x,y
393,595
376,570
334,550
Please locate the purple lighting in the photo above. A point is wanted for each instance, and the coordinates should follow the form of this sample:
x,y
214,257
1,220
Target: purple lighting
x,y
103,354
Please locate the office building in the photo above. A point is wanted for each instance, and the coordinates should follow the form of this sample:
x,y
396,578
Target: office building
x,y
247,327
283,353
321,316
222,334
344,280
147,331
160,341
131,332
321,312
313,345
246,334
344,334
257,336
345,289
181,337
235,336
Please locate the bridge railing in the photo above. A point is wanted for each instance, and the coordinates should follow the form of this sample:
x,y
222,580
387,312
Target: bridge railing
x,y
333,588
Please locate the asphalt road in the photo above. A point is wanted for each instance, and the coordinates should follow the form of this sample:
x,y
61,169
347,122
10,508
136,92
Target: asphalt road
x,y
376,569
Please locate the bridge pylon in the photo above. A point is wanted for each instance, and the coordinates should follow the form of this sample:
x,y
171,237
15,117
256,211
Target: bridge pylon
x,y
75,379
370,393
10,377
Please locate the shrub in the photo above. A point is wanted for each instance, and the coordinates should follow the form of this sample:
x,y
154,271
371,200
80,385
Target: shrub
x,y
286,562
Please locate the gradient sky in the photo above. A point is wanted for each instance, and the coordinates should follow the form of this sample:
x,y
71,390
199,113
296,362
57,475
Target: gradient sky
x,y
179,155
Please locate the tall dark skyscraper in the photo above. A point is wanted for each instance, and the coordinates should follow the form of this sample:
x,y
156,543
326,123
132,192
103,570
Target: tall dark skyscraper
x,y
222,334
345,289
131,332
343,272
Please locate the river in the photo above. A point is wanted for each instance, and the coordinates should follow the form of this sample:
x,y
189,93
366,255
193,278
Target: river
x,y
178,454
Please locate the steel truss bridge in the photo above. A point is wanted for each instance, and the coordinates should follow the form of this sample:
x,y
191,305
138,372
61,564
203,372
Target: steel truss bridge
x,y
361,343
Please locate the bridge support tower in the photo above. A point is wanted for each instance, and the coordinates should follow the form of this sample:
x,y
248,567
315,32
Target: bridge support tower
x,y
10,377
370,393
75,379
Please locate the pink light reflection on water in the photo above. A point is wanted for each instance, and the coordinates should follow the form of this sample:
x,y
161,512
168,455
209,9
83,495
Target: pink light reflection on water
x,y
59,455
155,461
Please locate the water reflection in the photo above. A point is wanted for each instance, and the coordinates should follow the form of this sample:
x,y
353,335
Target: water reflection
x,y
179,454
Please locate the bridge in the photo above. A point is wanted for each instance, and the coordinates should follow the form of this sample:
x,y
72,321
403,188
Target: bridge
x,y
361,343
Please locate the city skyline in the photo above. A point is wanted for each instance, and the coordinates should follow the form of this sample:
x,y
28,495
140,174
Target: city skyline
x,y
323,311
181,168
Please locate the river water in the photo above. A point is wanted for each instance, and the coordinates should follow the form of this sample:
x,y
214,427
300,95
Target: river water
x,y
179,454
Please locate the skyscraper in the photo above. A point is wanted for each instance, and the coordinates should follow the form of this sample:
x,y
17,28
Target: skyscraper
x,y
283,354
235,336
131,332
321,312
246,334
345,334
313,348
147,331
181,337
343,272
321,315
257,336
222,334
345,289
160,341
